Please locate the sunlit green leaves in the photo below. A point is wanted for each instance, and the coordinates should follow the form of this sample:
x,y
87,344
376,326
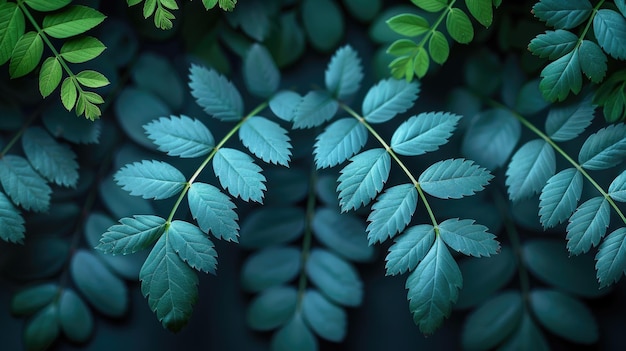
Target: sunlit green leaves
x,y
239,175
610,30
12,27
391,212
23,184
215,94
50,76
431,5
92,79
530,168
409,25
363,178
180,136
459,26
454,178
559,197
213,210
563,14
388,98
72,21
266,139
132,234
151,179
482,10
423,133
26,54
47,5
344,73
588,225
81,49
339,141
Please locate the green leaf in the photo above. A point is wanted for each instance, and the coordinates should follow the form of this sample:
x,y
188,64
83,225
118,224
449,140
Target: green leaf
x,y
215,94
391,212
431,5
131,235
151,179
438,47
75,317
561,76
261,75
459,26
433,287
344,73
336,278
388,98
588,225
530,168
272,308
617,189
342,233
69,94
553,44
408,24
72,21
29,300
11,222
421,62
43,329
213,211
239,175
471,239
563,14
566,122
604,149
610,30
23,184
327,320
81,49
481,10
271,226
611,258
49,76
363,178
559,197
454,178
323,23
492,322
26,55
12,27
409,249
424,133
169,284
270,267
55,162
192,246
314,109
180,136
92,79
339,141
266,139
294,335
46,5
593,60
284,104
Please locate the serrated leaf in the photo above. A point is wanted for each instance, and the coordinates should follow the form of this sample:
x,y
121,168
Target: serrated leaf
x,y
11,222
438,47
69,94
71,21
433,288
569,121
270,267
260,73
471,239
611,258
215,94
459,26
180,136
553,44
43,329
26,54
388,98
284,104
530,168
213,211
46,5
272,308
55,162
266,139
239,175
49,76
617,189
561,76
75,318
12,27
363,178
327,320
294,335
131,235
604,149
409,249
563,14
559,197
391,212
336,278
588,225
408,24
23,184
492,322
610,30
339,141
424,133
344,73
92,79
192,246
593,60
342,233
81,49
29,300
482,10
151,179
314,109
454,178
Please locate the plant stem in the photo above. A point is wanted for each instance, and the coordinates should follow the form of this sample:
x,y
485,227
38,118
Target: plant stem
x,y
308,236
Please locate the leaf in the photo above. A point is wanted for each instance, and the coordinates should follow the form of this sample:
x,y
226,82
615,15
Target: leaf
x,y
408,24
433,287
169,284
266,139
527,336
423,133
409,249
593,60
530,168
604,149
402,47
12,27
563,14
459,26
28,301
337,279
553,44
339,141
323,22
215,94
71,21
69,94
239,175
132,235
431,5
180,136
421,62
92,79
363,10
588,225
454,179
315,108
611,258
26,54
363,178
81,49
46,5
192,246
155,74
569,121
471,239
561,76
559,197
621,5
271,226
151,179
24,186
270,267
49,76
284,104
327,320
481,10
344,234
610,30
11,222
388,98
213,211
56,162
43,329
261,75
438,47
492,322
272,308
617,189
391,212
75,318
294,335
530,99
344,73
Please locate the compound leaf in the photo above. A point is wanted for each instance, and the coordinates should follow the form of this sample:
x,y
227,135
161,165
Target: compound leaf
x,y
343,233
563,14
192,246
132,235
23,184
11,222
611,257
71,21
471,239
388,98
213,211
344,73
610,30
55,162
215,94
391,212
363,178
423,133
339,141
409,249
454,178
559,197
588,225
266,139
151,179
530,168
604,149
260,73
327,320
553,44
180,136
336,278
239,175
569,121
314,109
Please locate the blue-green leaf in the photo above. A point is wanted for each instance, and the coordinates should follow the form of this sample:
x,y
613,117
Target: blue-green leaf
x,y
471,239
42,329
327,320
260,73
344,73
271,226
593,60
239,175
272,308
270,267
314,109
604,149
611,258
561,76
215,94
336,278
424,133
559,198
391,212
566,122
409,249
454,178
610,30
433,287
213,210
284,104
528,336
563,14
621,5
529,99
151,179
31,299
363,178
342,233
339,141
266,139
75,318
23,184
11,222
588,225
192,246
553,44
388,98
617,189
132,235
180,136
169,284
55,162
530,168
294,335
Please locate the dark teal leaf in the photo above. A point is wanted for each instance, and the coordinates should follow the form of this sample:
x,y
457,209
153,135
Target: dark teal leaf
x,y
327,320
23,184
617,189
529,99
530,168
464,236
119,202
272,308
621,5
43,329
155,73
132,235
323,23
388,98
213,210
260,73
239,175
342,233
344,73
363,10
11,221
132,119
269,226
215,94
604,149
55,162
294,335
336,278
151,179
563,14
266,139
409,249
559,197
561,76
314,109
62,124
284,104
527,337
270,267
391,212
424,133
339,141
566,122
286,185
593,60
75,317
180,136
611,258
192,246
29,300
588,225
610,30
363,178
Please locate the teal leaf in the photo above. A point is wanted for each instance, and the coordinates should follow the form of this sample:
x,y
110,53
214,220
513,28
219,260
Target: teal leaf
x,y
388,98
454,178
132,235
327,320
563,14
215,94
323,22
11,222
272,308
132,119
621,5
239,175
284,104
529,100
391,212
169,284
266,139
151,179
553,44
344,73
530,168
180,136
566,122
42,329
24,186
294,335
75,318
604,149
155,73
561,76
528,336
471,239
433,288
409,249
617,189
314,109
424,133
336,278
363,178
55,162
588,225
339,141
213,210
31,299
610,29
270,267
611,257
593,60
559,197
192,246
65,125
260,73
343,233
269,226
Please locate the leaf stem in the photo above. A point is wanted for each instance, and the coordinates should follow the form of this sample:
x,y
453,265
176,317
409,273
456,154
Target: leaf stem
x,y
434,27
308,236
